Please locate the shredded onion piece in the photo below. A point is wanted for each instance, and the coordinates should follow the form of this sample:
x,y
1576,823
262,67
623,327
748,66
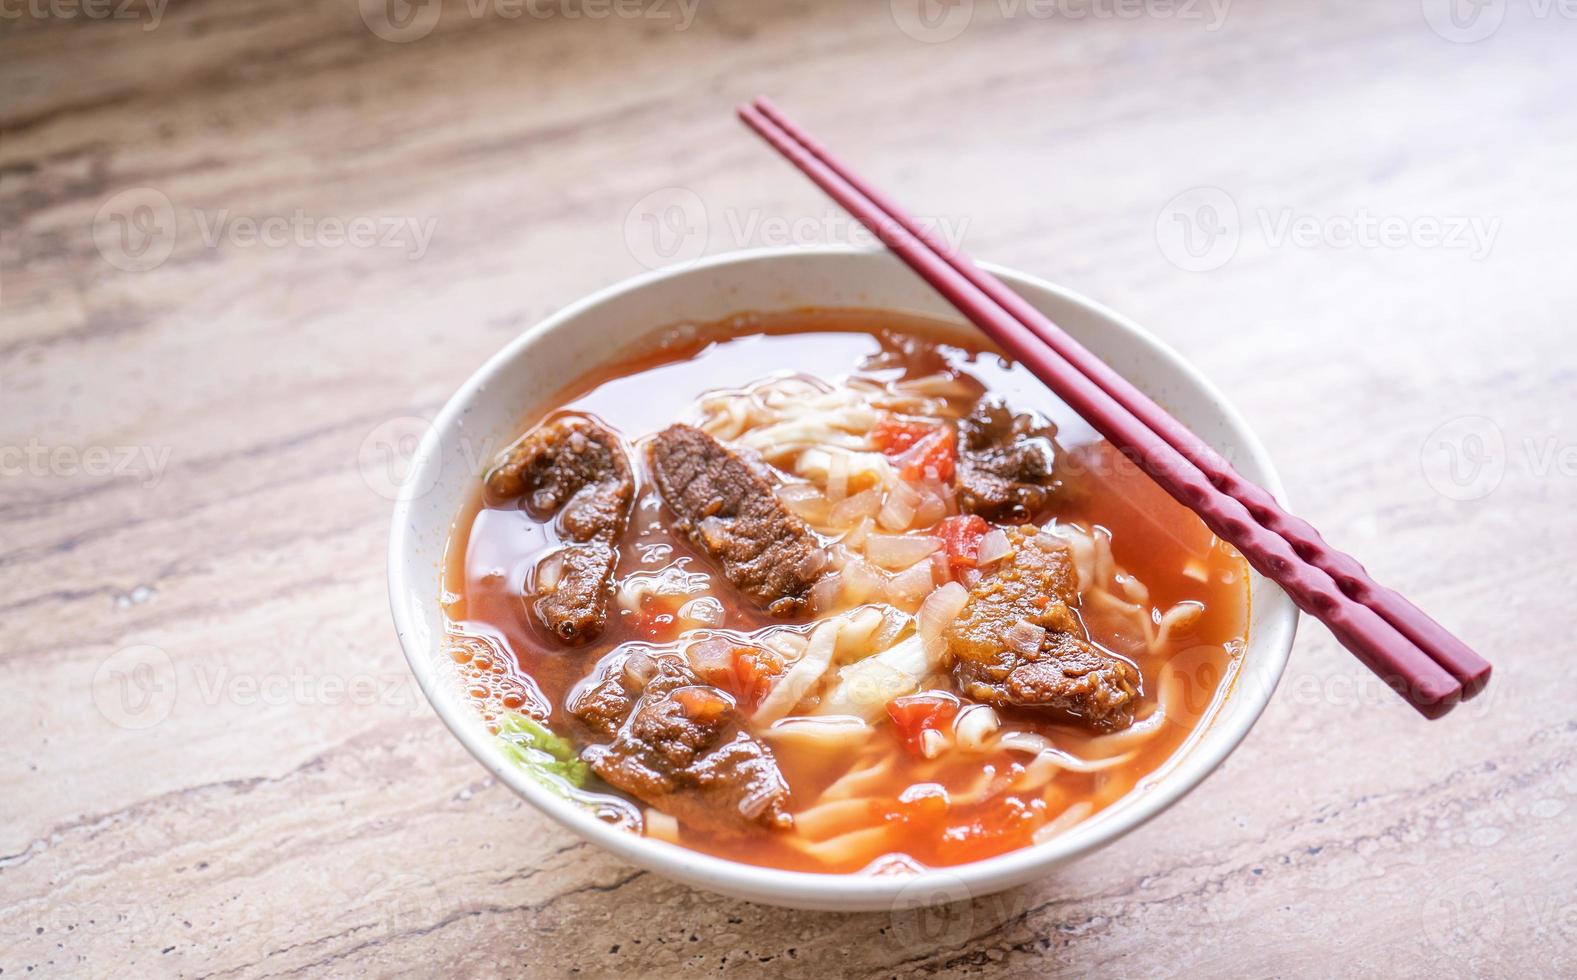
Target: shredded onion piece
x,y
897,551
1030,742
943,570
858,627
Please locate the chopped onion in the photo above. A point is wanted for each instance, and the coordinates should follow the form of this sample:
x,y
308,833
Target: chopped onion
x,y
909,588
994,547
850,510
861,582
711,657
896,551
932,506
1024,637
661,826
550,571
824,594
856,537
805,501
937,614
714,532
797,491
932,743
704,611
640,668
944,568
899,510
838,478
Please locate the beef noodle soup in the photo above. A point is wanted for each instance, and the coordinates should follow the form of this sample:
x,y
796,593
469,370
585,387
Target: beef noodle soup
x,y
824,592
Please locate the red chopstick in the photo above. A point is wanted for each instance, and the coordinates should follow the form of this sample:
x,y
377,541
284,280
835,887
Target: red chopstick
x,y
1470,670
1175,458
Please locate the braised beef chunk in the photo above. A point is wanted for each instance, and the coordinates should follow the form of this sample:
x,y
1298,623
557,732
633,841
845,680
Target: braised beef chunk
x,y
603,701
728,511
1018,644
678,745
1006,464
575,468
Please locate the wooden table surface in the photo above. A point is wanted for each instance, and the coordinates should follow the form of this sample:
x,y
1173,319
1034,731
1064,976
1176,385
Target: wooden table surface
x,y
248,246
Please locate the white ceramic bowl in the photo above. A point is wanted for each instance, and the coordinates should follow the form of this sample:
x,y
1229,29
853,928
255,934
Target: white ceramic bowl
x,y
538,363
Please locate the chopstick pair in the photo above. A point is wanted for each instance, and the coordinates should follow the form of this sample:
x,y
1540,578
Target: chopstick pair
x,y
1410,652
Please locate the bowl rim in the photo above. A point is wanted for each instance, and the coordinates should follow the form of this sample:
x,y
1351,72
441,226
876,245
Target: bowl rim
x,y
1271,640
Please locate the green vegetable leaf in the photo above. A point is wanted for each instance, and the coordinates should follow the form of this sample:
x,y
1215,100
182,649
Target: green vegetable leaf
x,y
550,759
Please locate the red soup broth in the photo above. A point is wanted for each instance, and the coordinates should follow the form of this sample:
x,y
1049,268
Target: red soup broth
x,y
510,664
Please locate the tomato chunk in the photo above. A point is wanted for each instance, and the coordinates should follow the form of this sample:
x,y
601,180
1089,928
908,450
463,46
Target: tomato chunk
x,y
916,714
934,457
923,807
994,828
757,670
702,703
961,536
657,618
745,672
893,436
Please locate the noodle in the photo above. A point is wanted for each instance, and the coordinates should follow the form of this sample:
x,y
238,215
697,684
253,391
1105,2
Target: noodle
x,y
830,817
806,671
879,744
1065,820
854,846
859,780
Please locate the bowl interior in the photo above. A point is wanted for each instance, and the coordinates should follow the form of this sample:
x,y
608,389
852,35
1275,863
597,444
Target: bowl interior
x,y
483,415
